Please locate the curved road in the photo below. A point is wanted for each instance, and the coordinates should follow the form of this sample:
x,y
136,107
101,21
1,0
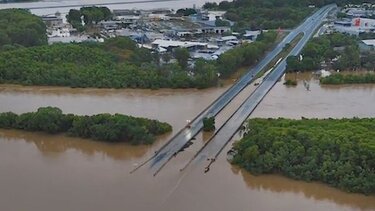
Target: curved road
x,y
173,146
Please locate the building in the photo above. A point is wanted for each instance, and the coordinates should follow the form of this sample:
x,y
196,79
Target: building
x,y
364,23
228,40
52,20
110,25
128,19
343,23
355,26
357,12
204,15
59,32
169,45
138,36
213,30
73,39
252,35
367,45
126,12
348,30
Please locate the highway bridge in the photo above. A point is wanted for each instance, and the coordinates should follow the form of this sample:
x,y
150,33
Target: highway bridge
x,y
216,144
226,132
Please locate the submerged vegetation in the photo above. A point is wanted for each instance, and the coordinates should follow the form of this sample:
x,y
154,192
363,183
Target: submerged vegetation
x,y
209,123
103,127
290,82
349,79
339,152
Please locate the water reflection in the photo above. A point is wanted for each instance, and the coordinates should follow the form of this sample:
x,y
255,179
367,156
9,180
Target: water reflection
x,y
312,190
58,144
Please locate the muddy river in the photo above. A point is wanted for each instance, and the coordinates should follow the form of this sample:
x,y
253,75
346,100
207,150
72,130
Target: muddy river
x,y
44,172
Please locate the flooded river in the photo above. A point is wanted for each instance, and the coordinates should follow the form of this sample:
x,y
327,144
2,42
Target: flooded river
x,y
44,172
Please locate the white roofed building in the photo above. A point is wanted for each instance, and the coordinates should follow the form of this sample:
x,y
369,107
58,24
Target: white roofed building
x,y
252,35
367,45
169,45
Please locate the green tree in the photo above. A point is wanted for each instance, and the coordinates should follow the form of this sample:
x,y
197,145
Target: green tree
x,y
182,55
20,27
104,127
48,119
209,124
339,152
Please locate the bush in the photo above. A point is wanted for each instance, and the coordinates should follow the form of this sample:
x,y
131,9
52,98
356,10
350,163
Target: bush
x,y
209,124
290,82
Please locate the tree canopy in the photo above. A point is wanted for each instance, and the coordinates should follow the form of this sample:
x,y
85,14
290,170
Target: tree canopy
x,y
18,27
209,123
90,15
103,127
339,152
322,48
120,63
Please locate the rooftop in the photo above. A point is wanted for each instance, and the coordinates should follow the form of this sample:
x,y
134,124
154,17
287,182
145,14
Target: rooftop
x,y
227,38
172,43
369,42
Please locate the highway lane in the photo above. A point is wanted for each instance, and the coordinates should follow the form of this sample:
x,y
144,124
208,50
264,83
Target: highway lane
x,y
229,129
171,148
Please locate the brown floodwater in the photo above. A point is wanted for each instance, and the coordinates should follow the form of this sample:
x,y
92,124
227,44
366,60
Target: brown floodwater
x,y
45,172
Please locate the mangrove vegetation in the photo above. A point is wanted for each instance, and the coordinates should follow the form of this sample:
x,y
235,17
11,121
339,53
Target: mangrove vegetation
x,y
103,127
20,28
120,63
348,79
339,152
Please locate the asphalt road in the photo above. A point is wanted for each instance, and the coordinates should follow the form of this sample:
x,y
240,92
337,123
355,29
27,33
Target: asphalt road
x,y
171,148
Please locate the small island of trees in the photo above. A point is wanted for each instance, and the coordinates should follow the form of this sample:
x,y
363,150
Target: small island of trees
x,y
103,127
339,152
